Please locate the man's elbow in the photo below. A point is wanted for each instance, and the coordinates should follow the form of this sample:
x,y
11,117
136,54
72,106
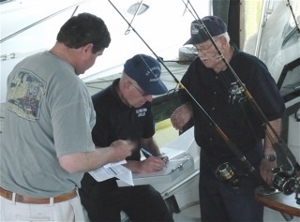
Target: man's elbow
x,y
70,164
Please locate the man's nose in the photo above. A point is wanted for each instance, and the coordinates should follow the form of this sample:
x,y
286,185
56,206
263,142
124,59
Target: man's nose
x,y
149,98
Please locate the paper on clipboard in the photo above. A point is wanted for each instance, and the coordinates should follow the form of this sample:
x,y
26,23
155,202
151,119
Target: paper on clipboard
x,y
173,170
113,170
170,167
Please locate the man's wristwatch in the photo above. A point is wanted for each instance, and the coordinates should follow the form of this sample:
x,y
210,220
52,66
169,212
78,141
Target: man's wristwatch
x,y
270,158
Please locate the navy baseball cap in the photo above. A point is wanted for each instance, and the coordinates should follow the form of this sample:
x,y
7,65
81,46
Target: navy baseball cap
x,y
214,25
146,71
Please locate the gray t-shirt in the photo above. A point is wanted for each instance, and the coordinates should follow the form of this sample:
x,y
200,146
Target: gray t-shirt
x,y
49,114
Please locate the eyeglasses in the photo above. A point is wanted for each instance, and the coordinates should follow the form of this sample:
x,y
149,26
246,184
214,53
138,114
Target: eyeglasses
x,y
206,47
203,48
144,94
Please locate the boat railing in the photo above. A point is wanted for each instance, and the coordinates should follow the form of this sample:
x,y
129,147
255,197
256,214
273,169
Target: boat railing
x,y
266,10
43,20
2,106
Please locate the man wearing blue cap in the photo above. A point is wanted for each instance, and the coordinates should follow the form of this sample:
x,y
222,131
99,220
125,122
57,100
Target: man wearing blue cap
x,y
124,111
229,196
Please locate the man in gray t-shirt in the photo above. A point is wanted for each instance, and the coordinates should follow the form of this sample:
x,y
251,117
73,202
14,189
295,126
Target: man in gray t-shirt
x,y
47,144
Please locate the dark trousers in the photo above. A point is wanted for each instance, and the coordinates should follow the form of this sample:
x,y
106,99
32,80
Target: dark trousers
x,y
105,200
222,202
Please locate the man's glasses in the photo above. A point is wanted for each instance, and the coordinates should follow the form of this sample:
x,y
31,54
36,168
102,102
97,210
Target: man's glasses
x,y
203,48
206,47
144,94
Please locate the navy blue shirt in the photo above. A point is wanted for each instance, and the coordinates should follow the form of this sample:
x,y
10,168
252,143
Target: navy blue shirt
x,y
115,120
223,100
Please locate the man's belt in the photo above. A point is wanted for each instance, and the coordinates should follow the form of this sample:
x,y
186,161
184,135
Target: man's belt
x,y
21,199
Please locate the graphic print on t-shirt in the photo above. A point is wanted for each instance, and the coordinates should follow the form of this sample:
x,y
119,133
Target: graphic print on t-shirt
x,y
24,95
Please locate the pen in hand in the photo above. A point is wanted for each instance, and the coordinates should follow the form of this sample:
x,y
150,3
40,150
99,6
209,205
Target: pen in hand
x,y
147,154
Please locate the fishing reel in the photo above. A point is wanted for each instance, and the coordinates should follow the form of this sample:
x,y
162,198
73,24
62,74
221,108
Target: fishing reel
x,y
286,183
225,173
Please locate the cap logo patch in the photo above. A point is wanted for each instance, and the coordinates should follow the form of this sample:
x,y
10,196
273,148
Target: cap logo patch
x,y
195,29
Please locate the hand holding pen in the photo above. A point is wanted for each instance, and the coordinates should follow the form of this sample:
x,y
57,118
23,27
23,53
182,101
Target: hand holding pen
x,y
148,154
152,163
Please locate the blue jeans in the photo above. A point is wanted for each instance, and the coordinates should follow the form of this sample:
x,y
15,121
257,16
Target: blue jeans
x,y
220,201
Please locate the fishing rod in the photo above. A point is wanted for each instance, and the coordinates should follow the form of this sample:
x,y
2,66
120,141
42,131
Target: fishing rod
x,y
228,142
279,146
136,12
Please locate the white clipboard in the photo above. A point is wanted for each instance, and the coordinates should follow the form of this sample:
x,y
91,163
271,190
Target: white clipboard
x,y
174,168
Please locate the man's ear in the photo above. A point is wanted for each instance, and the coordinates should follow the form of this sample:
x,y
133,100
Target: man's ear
x,y
127,84
87,49
222,41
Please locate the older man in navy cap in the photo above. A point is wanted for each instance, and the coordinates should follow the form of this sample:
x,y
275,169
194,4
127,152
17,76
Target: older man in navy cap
x,y
124,111
226,185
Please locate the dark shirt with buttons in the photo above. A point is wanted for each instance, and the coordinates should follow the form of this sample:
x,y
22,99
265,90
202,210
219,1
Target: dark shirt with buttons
x,y
105,200
116,120
223,100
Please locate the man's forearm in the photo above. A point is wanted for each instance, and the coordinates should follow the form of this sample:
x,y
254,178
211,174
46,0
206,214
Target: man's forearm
x,y
271,136
86,161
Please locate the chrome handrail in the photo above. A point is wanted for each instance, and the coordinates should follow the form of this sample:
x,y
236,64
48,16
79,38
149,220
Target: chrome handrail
x,y
263,20
42,20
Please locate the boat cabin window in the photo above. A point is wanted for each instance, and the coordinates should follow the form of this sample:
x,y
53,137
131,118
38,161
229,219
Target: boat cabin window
x,y
289,80
291,36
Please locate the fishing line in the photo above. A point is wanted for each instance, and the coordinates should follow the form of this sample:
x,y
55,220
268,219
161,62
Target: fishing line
x,y
279,146
151,71
294,17
136,12
228,142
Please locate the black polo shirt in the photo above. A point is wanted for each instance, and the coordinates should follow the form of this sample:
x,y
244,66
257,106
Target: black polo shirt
x,y
221,98
115,120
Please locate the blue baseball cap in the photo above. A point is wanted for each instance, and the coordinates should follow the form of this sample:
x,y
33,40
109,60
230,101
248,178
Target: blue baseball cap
x,y
214,25
146,71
